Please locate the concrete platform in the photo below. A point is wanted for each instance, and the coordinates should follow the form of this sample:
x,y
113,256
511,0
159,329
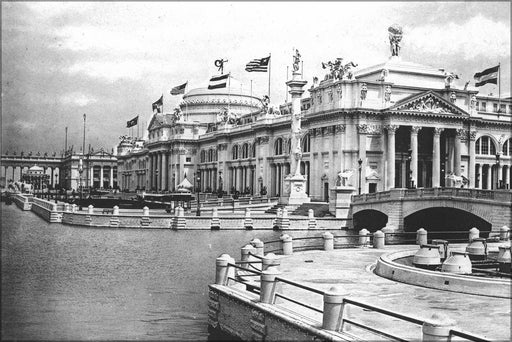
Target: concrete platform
x,y
351,269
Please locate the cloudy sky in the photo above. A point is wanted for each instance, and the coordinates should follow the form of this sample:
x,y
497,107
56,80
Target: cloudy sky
x,y
112,60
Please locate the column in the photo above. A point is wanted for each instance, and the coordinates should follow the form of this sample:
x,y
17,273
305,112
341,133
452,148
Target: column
x,y
414,154
460,134
489,177
91,178
240,179
164,171
112,176
506,179
150,172
391,156
362,130
499,176
101,176
478,185
471,171
436,158
159,171
341,147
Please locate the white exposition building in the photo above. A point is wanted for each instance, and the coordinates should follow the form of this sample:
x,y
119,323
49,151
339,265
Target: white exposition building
x,y
402,124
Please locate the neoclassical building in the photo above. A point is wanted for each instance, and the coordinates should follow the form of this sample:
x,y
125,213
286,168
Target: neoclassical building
x,y
393,125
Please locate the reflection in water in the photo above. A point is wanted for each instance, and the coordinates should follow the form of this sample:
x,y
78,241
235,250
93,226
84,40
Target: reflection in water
x,y
75,283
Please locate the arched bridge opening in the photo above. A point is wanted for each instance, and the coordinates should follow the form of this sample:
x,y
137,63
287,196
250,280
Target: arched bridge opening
x,y
442,219
370,219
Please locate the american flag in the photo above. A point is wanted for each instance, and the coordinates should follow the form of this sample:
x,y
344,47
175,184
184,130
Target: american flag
x,y
258,65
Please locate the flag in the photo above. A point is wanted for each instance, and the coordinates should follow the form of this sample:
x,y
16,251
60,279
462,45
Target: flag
x,y
132,122
487,76
158,104
218,81
258,65
179,89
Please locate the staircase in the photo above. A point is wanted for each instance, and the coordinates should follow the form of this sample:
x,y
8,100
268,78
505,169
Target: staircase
x,y
273,210
320,209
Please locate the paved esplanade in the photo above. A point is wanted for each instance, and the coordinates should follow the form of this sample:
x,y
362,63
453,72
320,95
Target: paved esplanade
x,y
349,269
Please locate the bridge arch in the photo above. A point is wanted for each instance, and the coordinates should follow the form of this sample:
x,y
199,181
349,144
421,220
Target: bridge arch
x,y
441,218
370,219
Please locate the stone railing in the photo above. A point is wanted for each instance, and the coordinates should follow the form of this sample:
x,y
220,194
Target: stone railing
x,y
23,201
47,210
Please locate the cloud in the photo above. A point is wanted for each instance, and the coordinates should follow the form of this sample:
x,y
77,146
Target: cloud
x,y
478,36
77,99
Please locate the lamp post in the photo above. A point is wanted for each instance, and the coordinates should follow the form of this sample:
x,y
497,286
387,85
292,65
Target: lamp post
x,y
55,187
80,170
360,162
221,185
498,155
198,211
409,184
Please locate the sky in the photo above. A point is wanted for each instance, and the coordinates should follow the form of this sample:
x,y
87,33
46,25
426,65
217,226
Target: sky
x,y
112,60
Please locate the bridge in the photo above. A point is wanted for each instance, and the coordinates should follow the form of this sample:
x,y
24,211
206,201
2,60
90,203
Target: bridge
x,y
434,209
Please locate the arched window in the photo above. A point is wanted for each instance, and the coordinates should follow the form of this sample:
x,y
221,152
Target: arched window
x,y
203,156
245,151
507,148
485,145
306,143
235,152
253,150
278,147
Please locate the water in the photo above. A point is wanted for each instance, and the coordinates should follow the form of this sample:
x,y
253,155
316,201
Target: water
x,y
74,283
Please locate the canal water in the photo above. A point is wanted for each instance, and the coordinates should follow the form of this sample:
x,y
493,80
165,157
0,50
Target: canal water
x,y
75,283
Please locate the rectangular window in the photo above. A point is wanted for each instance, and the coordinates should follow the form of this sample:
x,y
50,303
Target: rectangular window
x,y
510,109
477,105
485,146
495,107
188,159
503,108
484,105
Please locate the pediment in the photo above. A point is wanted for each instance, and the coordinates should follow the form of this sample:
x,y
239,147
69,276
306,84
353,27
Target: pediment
x,y
427,102
156,122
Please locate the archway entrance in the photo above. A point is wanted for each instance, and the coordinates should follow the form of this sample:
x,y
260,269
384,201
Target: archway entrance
x,y
372,220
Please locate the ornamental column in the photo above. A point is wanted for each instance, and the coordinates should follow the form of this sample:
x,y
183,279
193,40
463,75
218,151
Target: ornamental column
x,y
436,158
341,147
111,183
460,134
390,177
478,184
489,177
91,178
414,154
159,171
164,171
101,176
472,162
362,130
150,172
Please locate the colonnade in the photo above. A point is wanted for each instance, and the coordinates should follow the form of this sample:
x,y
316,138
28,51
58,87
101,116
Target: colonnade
x,y
16,171
242,178
492,176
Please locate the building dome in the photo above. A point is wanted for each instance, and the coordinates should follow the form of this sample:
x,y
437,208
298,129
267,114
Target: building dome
x,y
35,169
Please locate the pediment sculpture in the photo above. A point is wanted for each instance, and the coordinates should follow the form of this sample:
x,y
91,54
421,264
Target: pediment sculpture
x,y
337,70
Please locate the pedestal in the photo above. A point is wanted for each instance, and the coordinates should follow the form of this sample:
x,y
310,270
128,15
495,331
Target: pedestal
x,y
339,201
297,191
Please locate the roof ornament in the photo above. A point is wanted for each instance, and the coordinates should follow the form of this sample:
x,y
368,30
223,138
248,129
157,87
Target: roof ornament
x,y
296,60
337,70
219,63
395,37
449,79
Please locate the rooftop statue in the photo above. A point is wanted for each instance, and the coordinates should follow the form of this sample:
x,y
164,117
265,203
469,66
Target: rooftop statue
x,y
449,79
177,114
296,60
395,37
337,70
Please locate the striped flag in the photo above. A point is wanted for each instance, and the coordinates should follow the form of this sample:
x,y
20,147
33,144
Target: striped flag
x,y
487,76
258,65
158,104
132,122
218,81
179,89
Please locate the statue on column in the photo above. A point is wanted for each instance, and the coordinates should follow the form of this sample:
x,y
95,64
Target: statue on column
x,y
395,37
296,60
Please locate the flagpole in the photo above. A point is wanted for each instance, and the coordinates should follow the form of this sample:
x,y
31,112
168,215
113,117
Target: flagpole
x,y
269,70
286,91
162,103
251,92
229,91
499,86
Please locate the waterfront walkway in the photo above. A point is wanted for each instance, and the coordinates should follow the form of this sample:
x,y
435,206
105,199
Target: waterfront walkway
x,y
351,270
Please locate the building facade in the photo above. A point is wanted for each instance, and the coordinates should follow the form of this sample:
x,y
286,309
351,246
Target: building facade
x,y
393,125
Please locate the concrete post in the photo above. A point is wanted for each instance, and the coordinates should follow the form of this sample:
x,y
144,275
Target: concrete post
x,y
248,223
66,207
90,209
116,210
438,328
474,233
270,260
387,230
364,237
287,243
421,237
311,219
145,211
215,222
504,233
221,269
268,284
246,252
378,239
73,208
333,308
258,244
328,241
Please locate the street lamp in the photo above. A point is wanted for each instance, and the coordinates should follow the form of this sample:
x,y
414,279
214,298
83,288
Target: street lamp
x,y
410,184
80,170
198,211
55,187
498,155
360,162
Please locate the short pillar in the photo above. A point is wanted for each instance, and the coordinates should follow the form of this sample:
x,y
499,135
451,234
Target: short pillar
x,y
437,328
287,243
248,224
421,237
378,239
258,244
221,269
311,219
328,241
387,230
474,233
364,237
268,284
246,252
333,308
270,260
116,210
145,211
504,233
215,222
66,207
73,208
90,209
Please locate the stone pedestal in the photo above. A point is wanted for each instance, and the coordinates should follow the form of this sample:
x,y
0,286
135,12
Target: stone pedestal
x,y
297,190
339,201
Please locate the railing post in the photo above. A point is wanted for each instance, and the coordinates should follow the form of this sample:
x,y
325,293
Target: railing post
x,y
378,239
311,219
221,269
287,243
328,241
364,238
90,209
73,208
248,224
504,233
215,222
270,260
333,308
66,207
474,233
145,211
421,237
246,252
258,244
438,328
115,210
268,284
